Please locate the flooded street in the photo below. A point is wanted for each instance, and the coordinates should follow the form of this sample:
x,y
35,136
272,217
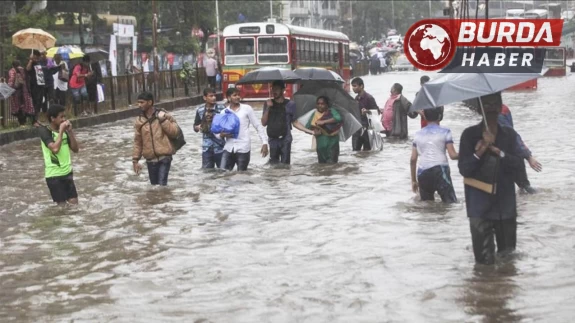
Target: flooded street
x,y
343,243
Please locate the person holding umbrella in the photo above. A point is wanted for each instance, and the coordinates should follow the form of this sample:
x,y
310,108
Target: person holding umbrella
x,y
279,116
326,123
492,214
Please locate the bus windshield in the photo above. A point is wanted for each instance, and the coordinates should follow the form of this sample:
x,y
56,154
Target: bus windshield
x,y
272,50
240,51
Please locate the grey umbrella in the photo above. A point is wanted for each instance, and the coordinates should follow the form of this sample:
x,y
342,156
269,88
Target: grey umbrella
x,y
268,75
455,87
97,55
305,101
318,74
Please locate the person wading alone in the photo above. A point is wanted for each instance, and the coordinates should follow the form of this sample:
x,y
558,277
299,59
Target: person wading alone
x,y
433,174
491,215
366,102
58,140
212,147
279,115
152,133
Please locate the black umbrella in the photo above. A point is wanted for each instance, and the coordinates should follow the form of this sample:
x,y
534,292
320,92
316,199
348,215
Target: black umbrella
x,y
97,55
318,74
268,75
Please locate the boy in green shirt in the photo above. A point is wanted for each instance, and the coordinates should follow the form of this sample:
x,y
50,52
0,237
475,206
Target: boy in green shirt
x,y
57,141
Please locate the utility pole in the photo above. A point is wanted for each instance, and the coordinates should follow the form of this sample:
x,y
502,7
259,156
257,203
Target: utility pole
x,y
81,29
155,41
271,10
351,15
393,14
218,30
429,2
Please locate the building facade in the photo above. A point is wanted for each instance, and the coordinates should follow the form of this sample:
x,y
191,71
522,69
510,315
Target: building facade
x,y
321,14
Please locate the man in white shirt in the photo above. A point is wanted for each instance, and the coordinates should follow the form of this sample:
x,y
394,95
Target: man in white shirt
x,y
211,67
237,150
61,81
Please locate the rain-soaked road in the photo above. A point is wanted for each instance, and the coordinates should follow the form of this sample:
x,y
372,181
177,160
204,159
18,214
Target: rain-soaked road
x,y
344,243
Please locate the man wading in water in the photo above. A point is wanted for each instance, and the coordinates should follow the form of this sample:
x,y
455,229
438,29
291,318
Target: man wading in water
x,y
366,102
212,147
491,214
152,132
279,116
58,140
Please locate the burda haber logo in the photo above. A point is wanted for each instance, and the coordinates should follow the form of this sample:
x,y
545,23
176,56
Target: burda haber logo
x,y
490,46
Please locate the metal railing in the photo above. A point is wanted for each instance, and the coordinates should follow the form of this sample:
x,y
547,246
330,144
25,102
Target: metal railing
x,y
121,92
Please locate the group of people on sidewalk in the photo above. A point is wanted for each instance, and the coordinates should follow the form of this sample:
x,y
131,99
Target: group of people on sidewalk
x,y
492,215
44,81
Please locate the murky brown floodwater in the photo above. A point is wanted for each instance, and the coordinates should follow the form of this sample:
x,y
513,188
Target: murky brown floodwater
x,y
344,243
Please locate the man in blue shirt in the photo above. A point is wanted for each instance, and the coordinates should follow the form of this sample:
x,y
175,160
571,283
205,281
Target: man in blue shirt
x,y
212,147
494,214
433,174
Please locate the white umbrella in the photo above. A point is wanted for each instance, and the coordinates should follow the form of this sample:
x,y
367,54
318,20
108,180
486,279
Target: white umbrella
x,y
33,38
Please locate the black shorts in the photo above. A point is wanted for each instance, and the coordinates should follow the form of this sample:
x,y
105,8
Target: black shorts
x,y
436,179
62,188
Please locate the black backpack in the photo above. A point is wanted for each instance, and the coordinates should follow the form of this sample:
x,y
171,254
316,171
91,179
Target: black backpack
x,y
277,123
179,141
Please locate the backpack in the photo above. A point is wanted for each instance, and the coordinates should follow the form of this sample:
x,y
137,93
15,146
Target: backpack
x,y
277,123
178,142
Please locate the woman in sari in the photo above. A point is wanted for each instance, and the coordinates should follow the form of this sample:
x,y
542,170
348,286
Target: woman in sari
x,y
21,105
326,123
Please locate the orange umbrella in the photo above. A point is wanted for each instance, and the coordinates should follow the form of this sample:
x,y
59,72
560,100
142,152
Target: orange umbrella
x,y
33,38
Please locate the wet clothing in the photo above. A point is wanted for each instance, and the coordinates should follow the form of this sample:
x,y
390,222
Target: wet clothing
x,y
328,142
58,167
242,144
152,137
436,179
62,188
158,171
59,164
433,173
395,120
483,234
505,119
360,139
230,160
280,148
502,205
212,147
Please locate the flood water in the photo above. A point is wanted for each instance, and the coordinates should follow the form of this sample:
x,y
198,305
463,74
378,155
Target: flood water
x,y
343,243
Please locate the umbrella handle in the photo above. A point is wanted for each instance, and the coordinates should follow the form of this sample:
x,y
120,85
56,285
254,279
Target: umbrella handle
x,y
484,118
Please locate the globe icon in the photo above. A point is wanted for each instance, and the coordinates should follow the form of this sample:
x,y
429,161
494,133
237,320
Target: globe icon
x,y
430,46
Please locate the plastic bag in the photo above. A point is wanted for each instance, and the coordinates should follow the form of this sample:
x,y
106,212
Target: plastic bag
x,y
218,78
375,122
100,88
227,122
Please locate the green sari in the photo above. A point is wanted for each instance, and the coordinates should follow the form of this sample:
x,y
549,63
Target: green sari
x,y
328,141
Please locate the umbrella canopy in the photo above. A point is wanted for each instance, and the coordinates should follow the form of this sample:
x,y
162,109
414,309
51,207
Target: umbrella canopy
x,y
268,75
67,52
97,55
318,74
305,100
455,87
33,38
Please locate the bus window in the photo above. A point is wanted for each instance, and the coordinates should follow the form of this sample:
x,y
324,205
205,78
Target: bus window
x,y
240,51
334,55
325,57
272,50
346,54
317,51
300,50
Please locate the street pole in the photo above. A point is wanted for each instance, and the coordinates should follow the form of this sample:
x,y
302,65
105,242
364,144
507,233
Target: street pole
x,y
155,41
81,27
392,14
351,15
429,2
271,10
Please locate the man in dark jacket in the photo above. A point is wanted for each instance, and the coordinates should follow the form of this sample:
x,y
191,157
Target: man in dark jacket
x,y
490,214
366,102
395,113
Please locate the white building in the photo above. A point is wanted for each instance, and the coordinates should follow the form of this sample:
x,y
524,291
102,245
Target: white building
x,y
321,14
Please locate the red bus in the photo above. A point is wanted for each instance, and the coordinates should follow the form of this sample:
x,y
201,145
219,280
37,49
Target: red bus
x,y
250,46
